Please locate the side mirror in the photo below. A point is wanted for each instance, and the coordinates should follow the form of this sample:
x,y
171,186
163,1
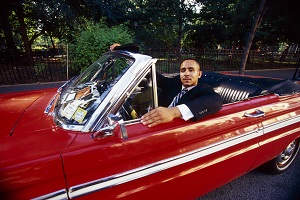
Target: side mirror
x,y
113,122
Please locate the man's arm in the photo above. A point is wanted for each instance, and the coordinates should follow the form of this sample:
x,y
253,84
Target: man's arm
x,y
206,104
185,112
160,115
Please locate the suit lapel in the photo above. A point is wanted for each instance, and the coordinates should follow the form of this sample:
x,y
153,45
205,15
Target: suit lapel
x,y
190,94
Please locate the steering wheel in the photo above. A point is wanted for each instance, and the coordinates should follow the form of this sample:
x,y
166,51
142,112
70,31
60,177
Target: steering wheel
x,y
128,112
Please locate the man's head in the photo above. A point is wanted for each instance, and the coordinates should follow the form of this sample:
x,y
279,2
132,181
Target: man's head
x,y
189,72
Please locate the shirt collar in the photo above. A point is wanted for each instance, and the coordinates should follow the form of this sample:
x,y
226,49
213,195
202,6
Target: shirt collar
x,y
188,88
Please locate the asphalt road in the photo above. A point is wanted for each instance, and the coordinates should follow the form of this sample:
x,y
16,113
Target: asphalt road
x,y
257,185
25,87
254,185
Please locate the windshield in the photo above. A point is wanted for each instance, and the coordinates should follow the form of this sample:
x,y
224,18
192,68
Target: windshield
x,y
85,93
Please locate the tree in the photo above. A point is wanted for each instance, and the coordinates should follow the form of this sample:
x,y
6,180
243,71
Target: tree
x,y
93,41
281,21
5,24
169,23
36,17
160,23
114,11
23,30
256,22
219,22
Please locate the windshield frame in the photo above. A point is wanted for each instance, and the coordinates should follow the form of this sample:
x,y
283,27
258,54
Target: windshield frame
x,y
116,92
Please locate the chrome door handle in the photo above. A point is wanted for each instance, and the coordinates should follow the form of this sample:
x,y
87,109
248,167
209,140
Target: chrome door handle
x,y
256,113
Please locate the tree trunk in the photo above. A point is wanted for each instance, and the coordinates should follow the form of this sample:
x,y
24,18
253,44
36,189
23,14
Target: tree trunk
x,y
180,27
255,24
4,20
26,43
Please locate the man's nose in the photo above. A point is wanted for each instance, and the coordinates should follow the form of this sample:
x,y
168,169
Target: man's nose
x,y
186,73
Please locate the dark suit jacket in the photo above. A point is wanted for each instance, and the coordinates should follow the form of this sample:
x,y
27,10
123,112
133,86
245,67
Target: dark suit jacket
x,y
202,100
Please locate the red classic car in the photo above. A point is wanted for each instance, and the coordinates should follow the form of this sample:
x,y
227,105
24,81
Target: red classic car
x,y
85,140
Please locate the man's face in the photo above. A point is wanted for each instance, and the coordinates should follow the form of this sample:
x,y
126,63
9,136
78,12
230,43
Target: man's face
x,y
189,73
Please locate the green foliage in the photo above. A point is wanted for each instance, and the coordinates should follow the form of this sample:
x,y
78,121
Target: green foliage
x,y
40,68
221,22
95,40
155,23
163,22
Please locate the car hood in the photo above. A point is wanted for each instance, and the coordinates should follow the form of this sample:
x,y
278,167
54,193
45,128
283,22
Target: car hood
x,y
19,111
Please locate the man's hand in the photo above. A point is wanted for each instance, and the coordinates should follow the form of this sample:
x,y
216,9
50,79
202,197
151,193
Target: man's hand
x,y
113,46
160,115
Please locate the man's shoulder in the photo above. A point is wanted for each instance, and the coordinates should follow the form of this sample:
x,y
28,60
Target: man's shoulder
x,y
204,86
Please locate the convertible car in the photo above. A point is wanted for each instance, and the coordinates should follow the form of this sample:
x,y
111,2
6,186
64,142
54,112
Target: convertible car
x,y
85,139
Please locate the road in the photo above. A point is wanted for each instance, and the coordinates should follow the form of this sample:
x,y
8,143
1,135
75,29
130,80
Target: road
x,y
25,87
257,185
254,185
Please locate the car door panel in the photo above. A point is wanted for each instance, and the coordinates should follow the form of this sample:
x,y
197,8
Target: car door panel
x,y
159,157
281,126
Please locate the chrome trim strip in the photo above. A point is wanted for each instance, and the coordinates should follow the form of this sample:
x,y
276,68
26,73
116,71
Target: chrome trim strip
x,y
67,126
147,170
154,84
58,195
280,124
110,181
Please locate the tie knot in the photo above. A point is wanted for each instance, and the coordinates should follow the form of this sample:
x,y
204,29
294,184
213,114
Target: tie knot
x,y
176,98
184,90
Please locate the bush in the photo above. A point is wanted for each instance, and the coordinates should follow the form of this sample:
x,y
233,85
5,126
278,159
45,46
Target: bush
x,y
91,43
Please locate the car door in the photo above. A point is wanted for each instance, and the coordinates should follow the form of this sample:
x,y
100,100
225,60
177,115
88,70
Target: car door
x,y
137,162
281,125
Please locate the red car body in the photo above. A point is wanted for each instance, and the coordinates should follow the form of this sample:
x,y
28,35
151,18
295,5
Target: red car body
x,y
177,160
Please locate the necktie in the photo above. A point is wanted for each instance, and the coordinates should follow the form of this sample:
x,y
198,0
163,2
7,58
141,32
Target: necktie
x,y
177,97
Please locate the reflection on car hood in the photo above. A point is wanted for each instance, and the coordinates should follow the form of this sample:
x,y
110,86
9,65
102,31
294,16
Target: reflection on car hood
x,y
17,108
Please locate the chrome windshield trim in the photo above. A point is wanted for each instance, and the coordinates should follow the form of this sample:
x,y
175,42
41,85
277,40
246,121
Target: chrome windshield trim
x,y
127,176
68,126
155,98
119,90
113,100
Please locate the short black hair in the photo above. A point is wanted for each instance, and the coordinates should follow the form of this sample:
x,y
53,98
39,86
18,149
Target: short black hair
x,y
191,58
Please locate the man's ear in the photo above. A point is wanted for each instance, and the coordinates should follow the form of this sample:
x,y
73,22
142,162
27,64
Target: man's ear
x,y
200,74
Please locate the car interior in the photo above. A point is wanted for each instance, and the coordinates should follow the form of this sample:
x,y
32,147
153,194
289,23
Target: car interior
x,y
233,88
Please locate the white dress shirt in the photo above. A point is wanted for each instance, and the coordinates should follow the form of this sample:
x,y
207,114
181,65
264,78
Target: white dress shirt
x,y
186,113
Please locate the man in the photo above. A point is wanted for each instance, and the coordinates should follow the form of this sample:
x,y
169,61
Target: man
x,y
199,101
194,102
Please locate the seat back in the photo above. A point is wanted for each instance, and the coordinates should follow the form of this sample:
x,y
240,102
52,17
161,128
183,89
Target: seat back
x,y
233,90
